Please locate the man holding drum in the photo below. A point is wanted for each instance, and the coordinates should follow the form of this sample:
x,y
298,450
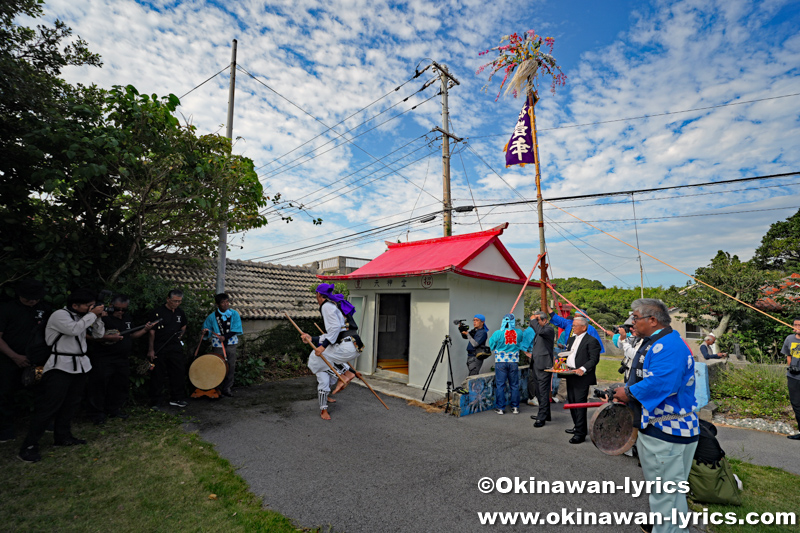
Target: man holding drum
x,y
335,345
223,326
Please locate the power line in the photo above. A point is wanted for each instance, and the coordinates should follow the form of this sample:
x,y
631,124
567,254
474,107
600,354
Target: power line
x,y
272,246
636,191
272,209
203,83
349,117
321,122
341,135
278,171
648,116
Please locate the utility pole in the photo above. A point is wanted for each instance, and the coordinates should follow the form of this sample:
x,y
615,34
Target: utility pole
x,y
223,227
446,78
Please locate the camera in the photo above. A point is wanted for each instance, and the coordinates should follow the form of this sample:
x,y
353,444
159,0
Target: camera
x,y
462,327
626,327
794,370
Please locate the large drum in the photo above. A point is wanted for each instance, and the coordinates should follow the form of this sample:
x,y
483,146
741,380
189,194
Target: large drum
x,y
613,429
208,371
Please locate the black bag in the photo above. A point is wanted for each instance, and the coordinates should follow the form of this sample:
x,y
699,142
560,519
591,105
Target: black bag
x,y
38,351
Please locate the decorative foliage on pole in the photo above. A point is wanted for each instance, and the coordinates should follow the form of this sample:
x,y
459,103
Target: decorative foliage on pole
x,y
527,61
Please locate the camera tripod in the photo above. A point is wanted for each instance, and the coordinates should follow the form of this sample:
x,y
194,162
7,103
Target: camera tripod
x,y
439,359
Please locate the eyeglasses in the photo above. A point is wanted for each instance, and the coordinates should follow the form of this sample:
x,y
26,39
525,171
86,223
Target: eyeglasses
x,y
635,318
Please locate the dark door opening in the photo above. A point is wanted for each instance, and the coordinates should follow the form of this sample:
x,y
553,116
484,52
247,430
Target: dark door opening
x,y
394,320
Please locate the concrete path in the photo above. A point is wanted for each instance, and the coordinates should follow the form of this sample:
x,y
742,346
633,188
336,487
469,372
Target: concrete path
x,y
405,469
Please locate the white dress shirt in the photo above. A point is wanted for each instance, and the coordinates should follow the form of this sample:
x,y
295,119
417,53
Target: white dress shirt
x,y
574,351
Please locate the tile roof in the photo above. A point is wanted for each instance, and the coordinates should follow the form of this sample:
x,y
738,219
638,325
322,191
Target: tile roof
x,y
258,290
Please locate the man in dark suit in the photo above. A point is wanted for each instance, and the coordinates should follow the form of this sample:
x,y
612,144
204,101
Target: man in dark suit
x,y
583,355
542,357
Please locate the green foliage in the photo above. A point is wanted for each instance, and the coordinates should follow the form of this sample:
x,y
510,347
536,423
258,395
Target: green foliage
x,y
339,287
708,308
753,391
780,247
759,338
607,306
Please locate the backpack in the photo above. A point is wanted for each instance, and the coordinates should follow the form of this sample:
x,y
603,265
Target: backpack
x,y
711,479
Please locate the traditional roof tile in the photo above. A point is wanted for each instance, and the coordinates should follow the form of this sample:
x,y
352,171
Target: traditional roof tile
x,y
258,290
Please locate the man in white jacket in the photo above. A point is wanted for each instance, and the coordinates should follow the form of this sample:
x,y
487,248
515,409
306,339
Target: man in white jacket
x,y
64,374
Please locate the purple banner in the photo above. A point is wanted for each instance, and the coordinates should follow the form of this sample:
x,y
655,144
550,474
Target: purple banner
x,y
519,149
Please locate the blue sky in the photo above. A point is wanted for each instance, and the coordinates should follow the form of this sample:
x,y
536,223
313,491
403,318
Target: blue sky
x,y
622,59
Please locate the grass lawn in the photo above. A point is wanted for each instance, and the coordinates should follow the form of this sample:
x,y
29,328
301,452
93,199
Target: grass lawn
x,y
607,370
143,474
766,489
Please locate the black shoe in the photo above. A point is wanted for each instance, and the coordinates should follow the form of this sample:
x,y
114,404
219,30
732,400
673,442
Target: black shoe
x,y
29,454
548,418
576,440
69,441
571,430
538,423
228,393
178,403
794,437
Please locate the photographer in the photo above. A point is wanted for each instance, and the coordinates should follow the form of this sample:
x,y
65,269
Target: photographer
x,y
626,340
476,340
109,380
791,349
64,374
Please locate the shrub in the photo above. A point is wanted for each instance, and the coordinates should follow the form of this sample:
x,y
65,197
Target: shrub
x,y
753,391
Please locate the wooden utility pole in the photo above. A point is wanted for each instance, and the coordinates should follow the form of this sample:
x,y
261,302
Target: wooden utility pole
x,y
223,227
446,78
532,99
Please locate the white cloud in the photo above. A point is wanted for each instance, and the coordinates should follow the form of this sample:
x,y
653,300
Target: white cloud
x,y
334,58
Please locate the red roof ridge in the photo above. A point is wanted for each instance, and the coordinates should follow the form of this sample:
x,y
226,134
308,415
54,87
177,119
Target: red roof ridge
x,y
497,230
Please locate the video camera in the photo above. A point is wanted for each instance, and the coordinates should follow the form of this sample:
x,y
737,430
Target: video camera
x,y
462,327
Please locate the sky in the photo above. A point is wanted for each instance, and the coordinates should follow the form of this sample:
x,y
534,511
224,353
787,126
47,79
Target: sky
x,y
317,111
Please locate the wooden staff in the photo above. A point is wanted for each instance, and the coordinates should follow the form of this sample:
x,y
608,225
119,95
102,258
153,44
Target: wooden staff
x,y
300,331
359,376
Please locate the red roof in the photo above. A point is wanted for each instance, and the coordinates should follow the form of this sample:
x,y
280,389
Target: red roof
x,y
445,254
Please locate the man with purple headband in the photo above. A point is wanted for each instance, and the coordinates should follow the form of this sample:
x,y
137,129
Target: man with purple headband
x,y
336,345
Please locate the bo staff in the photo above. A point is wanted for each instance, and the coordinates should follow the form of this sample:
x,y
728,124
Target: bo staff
x,y
359,376
300,331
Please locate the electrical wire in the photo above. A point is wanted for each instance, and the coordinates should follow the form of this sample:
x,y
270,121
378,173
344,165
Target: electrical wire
x,y
647,116
203,83
278,170
347,118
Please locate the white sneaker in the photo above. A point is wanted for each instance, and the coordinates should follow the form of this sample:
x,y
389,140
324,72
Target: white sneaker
x,y
499,411
533,401
556,400
515,410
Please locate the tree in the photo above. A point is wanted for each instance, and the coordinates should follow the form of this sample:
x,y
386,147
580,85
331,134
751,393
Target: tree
x,y
711,310
174,188
780,247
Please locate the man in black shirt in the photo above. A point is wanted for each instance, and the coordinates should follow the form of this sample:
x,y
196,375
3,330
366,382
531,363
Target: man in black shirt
x,y
18,320
109,379
166,351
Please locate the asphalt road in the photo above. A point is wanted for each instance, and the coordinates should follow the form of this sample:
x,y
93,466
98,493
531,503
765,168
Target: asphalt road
x,y
372,470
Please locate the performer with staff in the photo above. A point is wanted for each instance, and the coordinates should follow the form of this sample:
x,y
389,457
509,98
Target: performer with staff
x,y
336,346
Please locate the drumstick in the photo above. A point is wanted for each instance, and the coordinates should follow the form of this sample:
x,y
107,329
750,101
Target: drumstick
x,y
358,375
197,350
300,331
583,405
